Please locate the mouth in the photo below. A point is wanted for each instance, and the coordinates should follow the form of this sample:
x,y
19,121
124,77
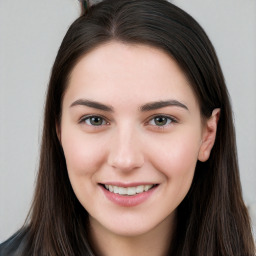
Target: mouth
x,y
128,191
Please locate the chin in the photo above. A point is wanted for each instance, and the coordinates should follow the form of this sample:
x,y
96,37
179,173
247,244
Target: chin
x,y
131,226
131,231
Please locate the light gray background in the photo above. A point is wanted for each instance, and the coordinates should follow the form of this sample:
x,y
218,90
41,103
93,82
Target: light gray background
x,y
30,34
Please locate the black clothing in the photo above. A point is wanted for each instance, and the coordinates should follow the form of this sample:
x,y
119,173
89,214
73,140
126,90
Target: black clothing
x,y
15,245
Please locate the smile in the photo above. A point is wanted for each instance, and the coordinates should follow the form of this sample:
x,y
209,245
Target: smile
x,y
128,191
130,195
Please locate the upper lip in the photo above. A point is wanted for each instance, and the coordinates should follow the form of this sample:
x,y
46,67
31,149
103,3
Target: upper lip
x,y
126,185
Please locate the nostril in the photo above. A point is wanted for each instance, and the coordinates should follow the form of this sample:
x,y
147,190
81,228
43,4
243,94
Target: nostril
x,y
126,152
126,162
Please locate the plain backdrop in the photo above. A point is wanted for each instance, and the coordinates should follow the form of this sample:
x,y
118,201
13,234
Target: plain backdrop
x,y
30,34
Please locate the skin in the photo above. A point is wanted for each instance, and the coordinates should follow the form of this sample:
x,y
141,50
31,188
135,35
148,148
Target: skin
x,y
130,145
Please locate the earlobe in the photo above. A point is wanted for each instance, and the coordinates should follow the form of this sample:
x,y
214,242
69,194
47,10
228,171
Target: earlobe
x,y
209,135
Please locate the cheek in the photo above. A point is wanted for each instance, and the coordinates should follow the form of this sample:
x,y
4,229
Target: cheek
x,y
83,154
176,156
84,157
176,160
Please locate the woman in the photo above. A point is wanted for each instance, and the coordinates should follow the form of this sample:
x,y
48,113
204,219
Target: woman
x,y
138,152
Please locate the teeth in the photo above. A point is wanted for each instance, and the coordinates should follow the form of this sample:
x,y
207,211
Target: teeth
x,y
122,191
130,191
139,189
147,187
116,190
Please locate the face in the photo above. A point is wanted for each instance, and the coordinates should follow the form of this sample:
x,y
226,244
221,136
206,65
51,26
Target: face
x,y
132,133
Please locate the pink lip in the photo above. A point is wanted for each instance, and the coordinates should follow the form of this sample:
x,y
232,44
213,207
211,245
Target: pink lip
x,y
126,185
128,201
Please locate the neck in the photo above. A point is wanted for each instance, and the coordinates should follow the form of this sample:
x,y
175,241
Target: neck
x,y
154,242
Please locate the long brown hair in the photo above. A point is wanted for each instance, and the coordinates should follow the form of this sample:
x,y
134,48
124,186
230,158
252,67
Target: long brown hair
x,y
212,219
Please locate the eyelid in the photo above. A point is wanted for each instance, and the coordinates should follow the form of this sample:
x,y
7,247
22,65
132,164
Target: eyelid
x,y
173,120
85,117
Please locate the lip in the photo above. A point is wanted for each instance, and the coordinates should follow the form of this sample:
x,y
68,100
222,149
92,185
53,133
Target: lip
x,y
128,201
126,185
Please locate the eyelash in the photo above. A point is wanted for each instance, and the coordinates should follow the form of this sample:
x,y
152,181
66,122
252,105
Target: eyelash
x,y
170,121
85,118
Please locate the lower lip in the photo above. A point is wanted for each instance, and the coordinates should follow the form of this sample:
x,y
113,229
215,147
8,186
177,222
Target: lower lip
x,y
128,201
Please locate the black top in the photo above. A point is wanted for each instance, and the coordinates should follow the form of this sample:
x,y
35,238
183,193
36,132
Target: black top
x,y
15,245
18,245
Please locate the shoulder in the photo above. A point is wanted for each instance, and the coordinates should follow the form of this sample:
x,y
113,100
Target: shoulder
x,y
15,244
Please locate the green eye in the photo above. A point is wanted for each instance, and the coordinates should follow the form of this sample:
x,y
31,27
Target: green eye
x,y
161,121
94,121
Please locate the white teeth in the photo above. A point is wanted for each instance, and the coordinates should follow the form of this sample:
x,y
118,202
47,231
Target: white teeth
x,y
130,191
116,190
147,187
122,191
139,189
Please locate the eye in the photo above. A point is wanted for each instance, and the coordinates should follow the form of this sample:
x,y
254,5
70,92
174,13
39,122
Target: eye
x,y
94,120
161,121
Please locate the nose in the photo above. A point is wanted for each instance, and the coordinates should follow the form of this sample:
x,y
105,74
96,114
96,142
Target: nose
x,y
126,151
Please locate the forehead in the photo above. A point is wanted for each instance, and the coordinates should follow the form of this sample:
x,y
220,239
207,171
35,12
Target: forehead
x,y
128,72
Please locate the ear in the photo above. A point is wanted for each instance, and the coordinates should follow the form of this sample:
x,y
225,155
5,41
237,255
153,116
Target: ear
x,y
58,130
209,135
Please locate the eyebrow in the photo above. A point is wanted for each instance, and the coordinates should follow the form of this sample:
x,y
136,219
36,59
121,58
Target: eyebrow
x,y
92,104
147,107
161,104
